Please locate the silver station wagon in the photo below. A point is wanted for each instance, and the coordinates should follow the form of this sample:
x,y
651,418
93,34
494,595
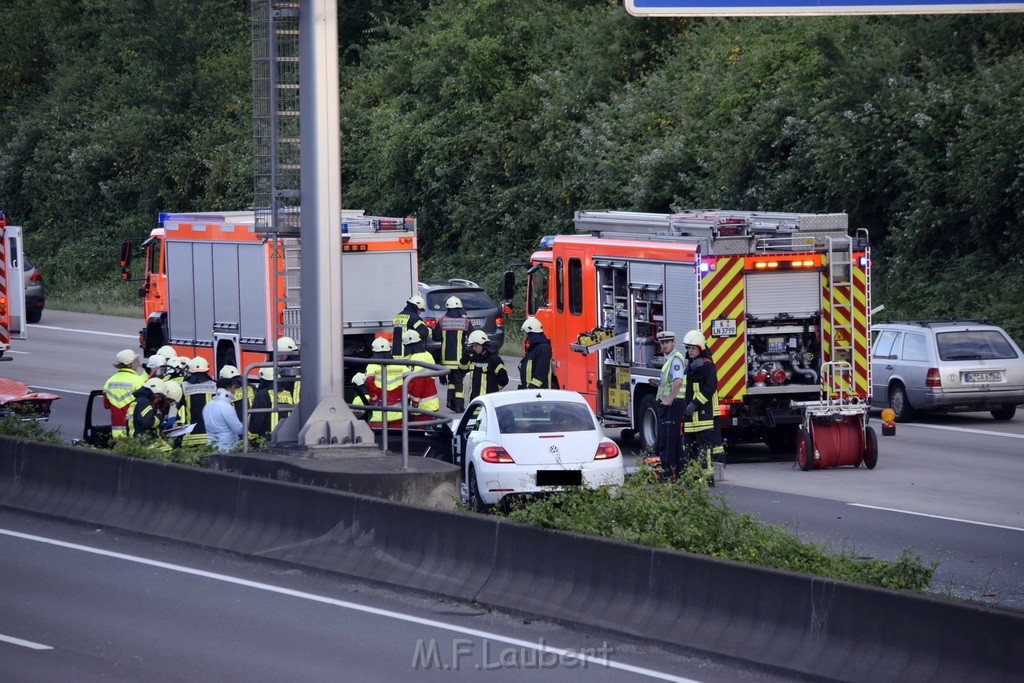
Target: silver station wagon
x,y
945,366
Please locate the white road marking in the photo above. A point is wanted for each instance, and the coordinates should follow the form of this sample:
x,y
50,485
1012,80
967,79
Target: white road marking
x,y
23,643
104,334
948,519
540,646
967,430
20,353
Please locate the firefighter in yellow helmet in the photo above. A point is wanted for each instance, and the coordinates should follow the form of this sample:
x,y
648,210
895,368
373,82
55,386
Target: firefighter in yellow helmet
x,y
119,391
422,390
487,368
409,319
451,330
536,370
701,431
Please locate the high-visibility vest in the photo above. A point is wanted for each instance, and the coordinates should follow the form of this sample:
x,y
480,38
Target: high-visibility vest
x,y
118,392
387,378
665,386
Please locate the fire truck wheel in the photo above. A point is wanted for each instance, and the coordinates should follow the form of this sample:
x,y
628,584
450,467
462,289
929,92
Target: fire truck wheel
x,y
900,404
871,449
804,449
627,435
648,421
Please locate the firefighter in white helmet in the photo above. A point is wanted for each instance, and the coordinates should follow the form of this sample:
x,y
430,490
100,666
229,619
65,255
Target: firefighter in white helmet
x,y
536,370
264,423
488,373
287,350
167,351
422,390
232,373
361,395
198,387
451,330
409,319
119,391
155,365
149,411
386,381
701,431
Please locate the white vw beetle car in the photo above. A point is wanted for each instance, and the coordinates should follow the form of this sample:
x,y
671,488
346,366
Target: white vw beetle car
x,y
517,443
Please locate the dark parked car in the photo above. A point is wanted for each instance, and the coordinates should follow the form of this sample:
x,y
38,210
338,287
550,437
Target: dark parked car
x,y
35,294
480,308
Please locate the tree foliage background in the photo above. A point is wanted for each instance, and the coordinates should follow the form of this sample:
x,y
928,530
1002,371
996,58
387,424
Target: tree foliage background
x,y
493,120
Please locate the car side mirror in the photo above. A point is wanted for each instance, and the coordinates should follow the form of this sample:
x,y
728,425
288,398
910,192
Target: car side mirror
x,y
126,259
508,285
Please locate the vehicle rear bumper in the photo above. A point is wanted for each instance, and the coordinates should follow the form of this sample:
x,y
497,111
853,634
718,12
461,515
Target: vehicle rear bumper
x,y
954,401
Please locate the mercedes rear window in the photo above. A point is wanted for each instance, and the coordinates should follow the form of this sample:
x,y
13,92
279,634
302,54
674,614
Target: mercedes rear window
x,y
472,299
974,345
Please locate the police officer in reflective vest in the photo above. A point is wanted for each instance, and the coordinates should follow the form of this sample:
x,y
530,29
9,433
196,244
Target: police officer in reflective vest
x,y
536,370
670,394
451,331
488,370
119,391
409,319
701,431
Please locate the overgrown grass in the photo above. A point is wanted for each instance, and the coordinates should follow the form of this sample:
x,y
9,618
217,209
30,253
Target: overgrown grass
x,y
11,425
111,297
686,516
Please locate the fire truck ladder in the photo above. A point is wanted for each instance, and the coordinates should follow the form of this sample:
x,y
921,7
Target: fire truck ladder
x,y
840,276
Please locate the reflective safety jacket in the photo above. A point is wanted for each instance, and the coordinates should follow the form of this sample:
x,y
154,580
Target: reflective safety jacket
x,y
423,390
197,389
488,372
146,418
702,391
675,362
118,396
407,319
536,370
264,424
451,331
386,382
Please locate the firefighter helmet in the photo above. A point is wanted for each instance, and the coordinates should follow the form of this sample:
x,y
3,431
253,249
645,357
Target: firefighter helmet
x,y
126,357
287,345
531,324
359,379
167,351
417,301
178,362
411,337
477,337
229,372
199,364
453,302
172,390
267,374
665,335
381,345
156,385
155,361
695,338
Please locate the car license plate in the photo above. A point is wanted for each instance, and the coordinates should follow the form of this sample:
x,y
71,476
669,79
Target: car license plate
x,y
981,377
478,322
559,477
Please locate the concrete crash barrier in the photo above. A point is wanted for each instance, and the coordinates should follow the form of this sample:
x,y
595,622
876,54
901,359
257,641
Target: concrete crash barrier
x,y
779,620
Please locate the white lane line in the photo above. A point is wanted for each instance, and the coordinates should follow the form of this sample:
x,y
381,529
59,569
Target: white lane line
x,y
948,519
60,391
539,646
967,430
71,329
19,353
24,643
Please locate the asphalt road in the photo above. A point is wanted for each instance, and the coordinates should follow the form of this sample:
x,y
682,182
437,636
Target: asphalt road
x,y
83,604
946,487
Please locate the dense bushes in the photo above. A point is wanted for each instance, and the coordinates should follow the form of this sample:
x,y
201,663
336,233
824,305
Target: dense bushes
x,y
492,121
686,516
